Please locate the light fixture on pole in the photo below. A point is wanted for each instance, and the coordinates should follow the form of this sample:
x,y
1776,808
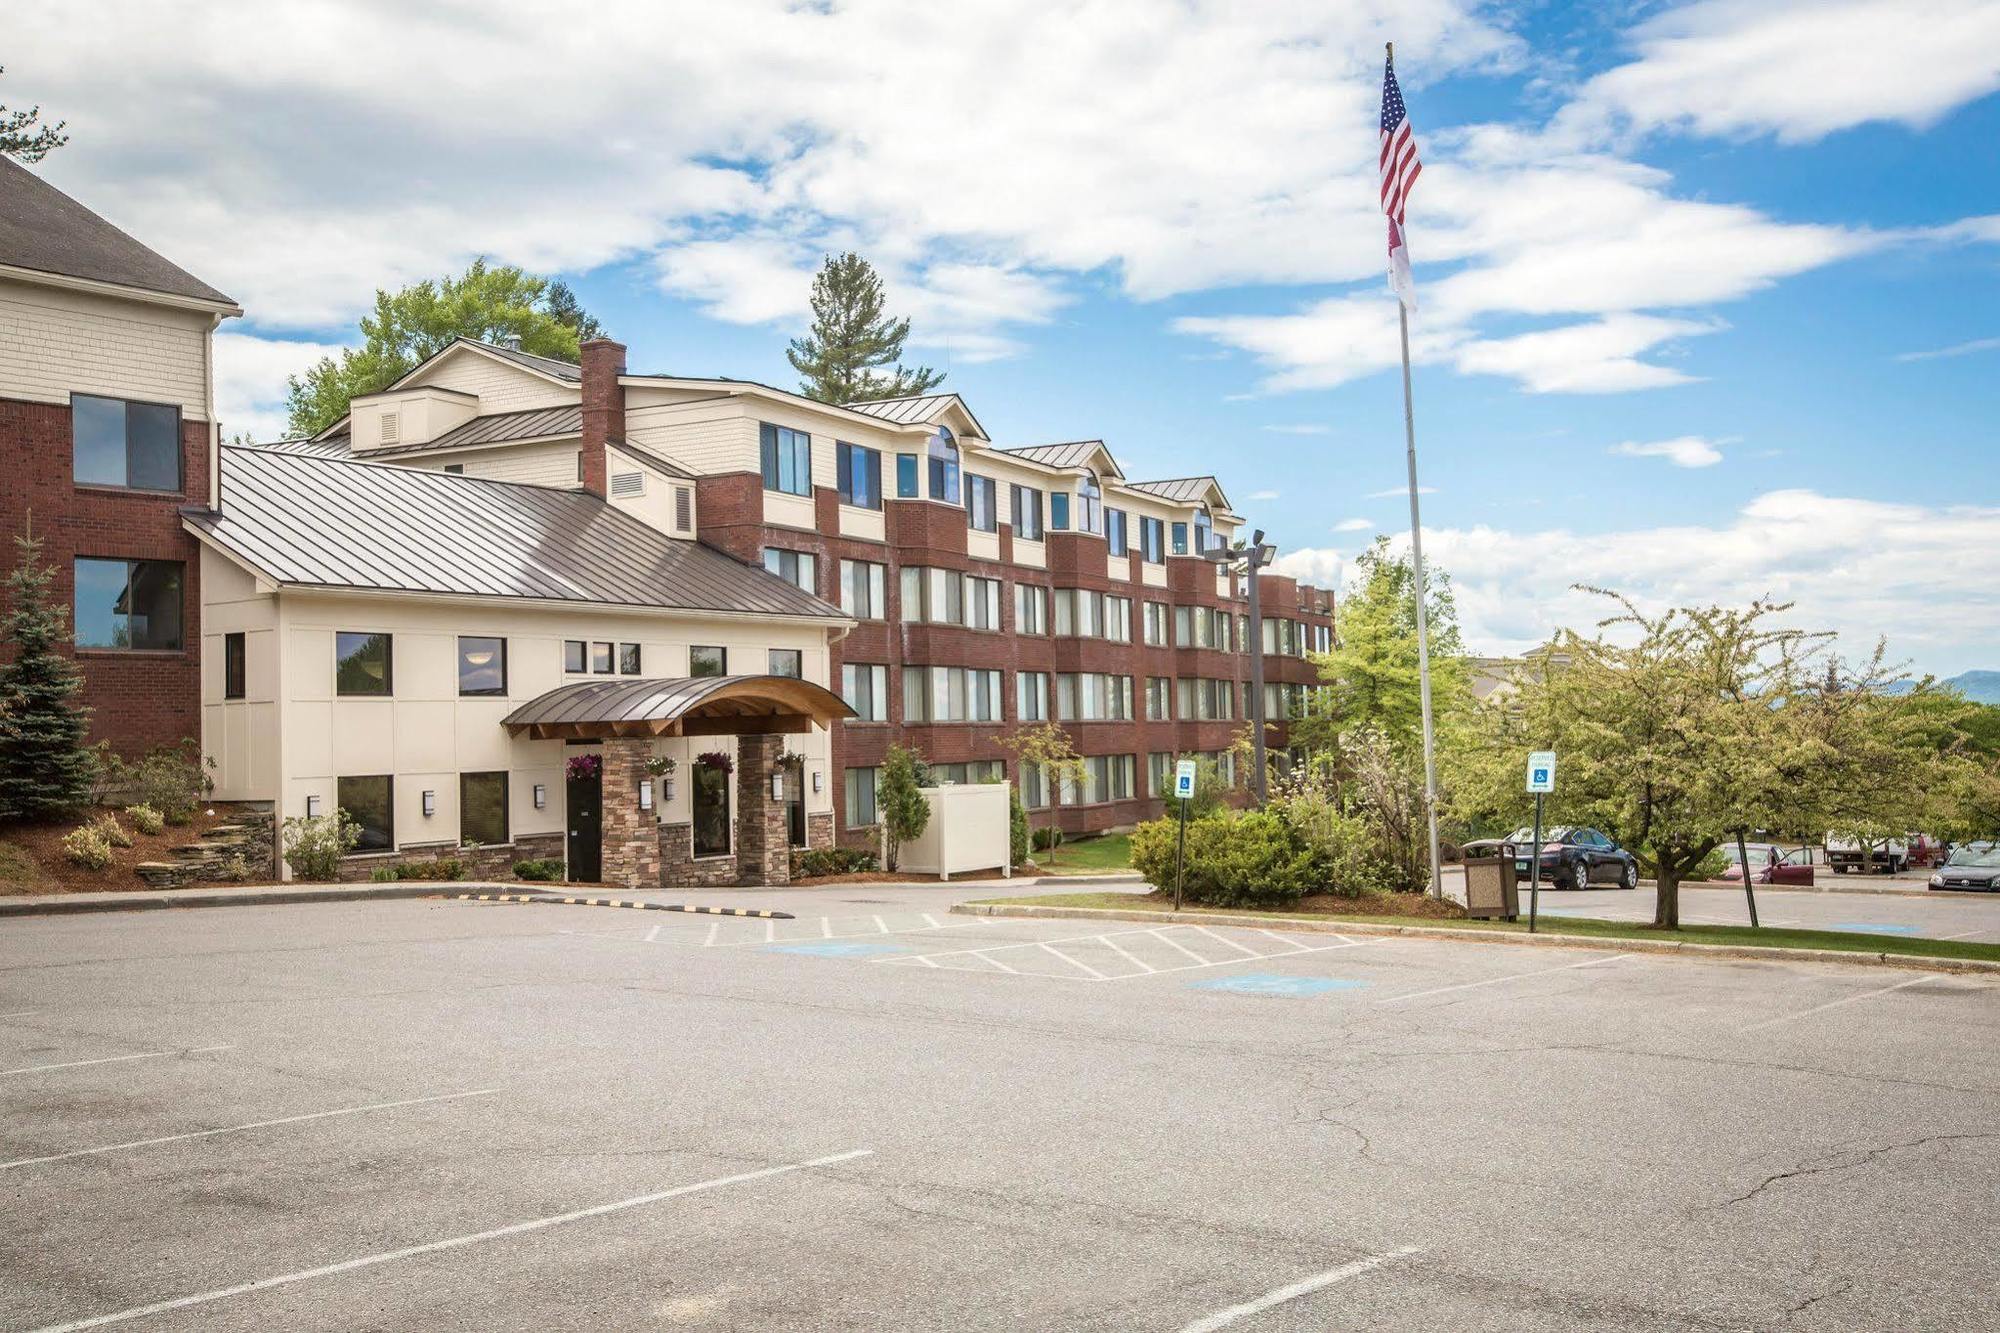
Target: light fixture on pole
x,y
1250,560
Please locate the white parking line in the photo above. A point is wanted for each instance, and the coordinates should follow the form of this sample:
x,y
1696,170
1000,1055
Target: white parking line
x,y
453,1243
1135,961
881,926
1291,1292
713,930
1160,935
1963,935
237,1129
654,933
1831,1004
1494,981
112,1060
1074,963
1109,940
1243,949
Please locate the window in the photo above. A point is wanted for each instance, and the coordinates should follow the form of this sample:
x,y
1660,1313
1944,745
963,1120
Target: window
x,y
1201,627
482,666
861,589
787,459
943,455
860,475
704,661
1203,530
969,774
1151,539
579,465
950,694
1093,698
602,659
575,655
857,787
482,809
982,602
455,469
371,803
1207,700
1031,696
906,476
1034,786
982,503
128,604
1031,609
1093,615
1156,624
1282,637
233,673
1159,774
1059,511
1114,532
864,687
1106,777
710,787
787,662
798,568
362,664
119,443
1089,504
946,597
1027,513
1159,700
628,659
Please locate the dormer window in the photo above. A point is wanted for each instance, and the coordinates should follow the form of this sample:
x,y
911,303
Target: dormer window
x,y
1203,529
944,466
1089,504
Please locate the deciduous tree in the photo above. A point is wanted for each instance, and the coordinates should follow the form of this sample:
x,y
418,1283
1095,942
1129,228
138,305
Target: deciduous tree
x,y
841,357
1048,747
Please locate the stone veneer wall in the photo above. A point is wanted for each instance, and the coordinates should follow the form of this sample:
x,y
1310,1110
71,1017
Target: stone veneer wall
x,y
495,862
630,835
819,829
679,868
763,837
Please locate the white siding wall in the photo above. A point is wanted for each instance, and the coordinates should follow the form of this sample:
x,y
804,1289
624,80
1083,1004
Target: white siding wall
x,y
499,385
536,464
708,436
239,735
54,343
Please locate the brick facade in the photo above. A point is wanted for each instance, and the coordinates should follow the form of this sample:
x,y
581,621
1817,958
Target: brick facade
x,y
139,699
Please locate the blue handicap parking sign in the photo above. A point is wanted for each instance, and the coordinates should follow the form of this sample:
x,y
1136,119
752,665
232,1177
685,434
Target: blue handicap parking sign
x,y
838,949
1271,983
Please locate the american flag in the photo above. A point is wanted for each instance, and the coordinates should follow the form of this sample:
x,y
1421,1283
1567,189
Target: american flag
x,y
1400,169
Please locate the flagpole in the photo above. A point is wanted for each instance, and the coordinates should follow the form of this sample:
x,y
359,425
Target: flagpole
x,y
1423,615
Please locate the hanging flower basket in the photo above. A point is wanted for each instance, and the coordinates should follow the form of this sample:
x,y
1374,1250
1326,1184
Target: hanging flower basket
x,y
791,757
584,766
660,765
716,759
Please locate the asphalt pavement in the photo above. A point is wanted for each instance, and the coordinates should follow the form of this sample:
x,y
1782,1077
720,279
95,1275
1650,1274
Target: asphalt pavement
x,y
880,1115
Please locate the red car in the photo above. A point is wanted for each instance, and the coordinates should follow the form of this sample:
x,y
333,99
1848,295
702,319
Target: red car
x,y
1771,864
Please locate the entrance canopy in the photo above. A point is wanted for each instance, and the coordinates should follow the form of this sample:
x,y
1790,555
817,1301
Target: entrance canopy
x,y
685,706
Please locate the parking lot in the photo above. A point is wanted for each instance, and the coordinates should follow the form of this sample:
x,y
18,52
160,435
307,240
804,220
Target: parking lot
x,y
880,1115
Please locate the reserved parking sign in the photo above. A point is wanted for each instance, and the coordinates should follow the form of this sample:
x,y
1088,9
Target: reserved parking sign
x,y
1542,771
1184,779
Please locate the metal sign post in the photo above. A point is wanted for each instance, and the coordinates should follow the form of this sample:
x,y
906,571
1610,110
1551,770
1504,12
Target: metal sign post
x,y
1184,775
1541,781
1749,892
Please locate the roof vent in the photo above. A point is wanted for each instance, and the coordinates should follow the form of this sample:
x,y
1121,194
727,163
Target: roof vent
x,y
511,341
628,483
392,427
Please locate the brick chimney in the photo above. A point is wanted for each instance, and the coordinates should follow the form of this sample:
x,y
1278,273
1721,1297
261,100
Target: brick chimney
x,y
603,408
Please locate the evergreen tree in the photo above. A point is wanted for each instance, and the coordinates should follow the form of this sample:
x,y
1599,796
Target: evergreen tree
x,y
562,304
905,812
851,339
45,771
23,136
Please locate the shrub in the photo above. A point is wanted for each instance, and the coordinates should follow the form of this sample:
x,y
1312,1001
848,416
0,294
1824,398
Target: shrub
x,y
172,779
113,831
1048,837
439,867
545,870
818,861
1349,847
1017,826
146,819
383,874
1250,860
314,845
88,847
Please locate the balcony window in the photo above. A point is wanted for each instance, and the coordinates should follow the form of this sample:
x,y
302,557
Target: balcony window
x,y
860,475
363,664
482,666
130,605
943,456
114,442
787,458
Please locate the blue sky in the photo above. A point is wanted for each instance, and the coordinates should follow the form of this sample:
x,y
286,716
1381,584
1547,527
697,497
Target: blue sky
x,y
1708,289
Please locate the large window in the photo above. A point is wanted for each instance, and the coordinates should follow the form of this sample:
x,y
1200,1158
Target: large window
x,y
1106,777
950,694
1201,627
857,786
1031,696
1091,697
864,687
787,459
1156,624
1159,699
706,661
787,662
982,509
371,803
576,656
1093,615
363,664
860,475
1206,700
1152,541
1089,504
861,593
710,787
1027,513
906,476
1180,539
482,666
798,568
234,666
943,455
1283,637
1204,536
1115,532
128,604
1031,609
947,597
119,443
482,809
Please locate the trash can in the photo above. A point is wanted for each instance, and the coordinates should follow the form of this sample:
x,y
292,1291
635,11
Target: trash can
x,y
1492,886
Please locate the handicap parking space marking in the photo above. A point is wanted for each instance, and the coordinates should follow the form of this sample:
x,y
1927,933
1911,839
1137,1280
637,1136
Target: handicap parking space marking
x,y
1122,955
838,949
1274,984
1874,928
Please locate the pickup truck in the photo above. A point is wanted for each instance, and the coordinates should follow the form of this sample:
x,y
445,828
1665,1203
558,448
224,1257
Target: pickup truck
x,y
1848,854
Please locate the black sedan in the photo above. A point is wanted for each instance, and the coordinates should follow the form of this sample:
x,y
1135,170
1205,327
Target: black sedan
x,y
1572,858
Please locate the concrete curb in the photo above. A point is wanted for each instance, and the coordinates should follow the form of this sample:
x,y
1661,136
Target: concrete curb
x,y
1084,881
1334,926
761,913
66,904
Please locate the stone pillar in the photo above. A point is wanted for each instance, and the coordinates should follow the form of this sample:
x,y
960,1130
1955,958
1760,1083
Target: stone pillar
x,y
631,836
763,844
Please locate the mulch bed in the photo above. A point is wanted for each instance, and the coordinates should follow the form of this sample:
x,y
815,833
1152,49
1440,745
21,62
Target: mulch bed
x,y
52,872
1417,906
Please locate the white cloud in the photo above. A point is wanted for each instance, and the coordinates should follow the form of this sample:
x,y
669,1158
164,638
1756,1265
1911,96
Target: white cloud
x,y
1355,525
1925,576
1263,495
1596,357
1399,493
1684,451
250,376
1956,349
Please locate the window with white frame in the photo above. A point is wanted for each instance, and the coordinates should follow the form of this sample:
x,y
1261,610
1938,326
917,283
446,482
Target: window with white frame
x,y
950,694
864,687
1156,624
1106,777
1093,697
1089,504
1206,700
861,589
798,568
1201,627
1034,784
982,507
1159,699
1031,609
1083,614
947,597
1159,774
1027,513
943,453
1031,696
857,787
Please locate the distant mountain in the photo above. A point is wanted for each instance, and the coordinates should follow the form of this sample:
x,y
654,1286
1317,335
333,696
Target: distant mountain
x,y
1982,687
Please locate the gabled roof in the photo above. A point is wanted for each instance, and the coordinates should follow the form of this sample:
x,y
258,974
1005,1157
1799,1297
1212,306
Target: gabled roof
x,y
45,230
919,409
1185,490
333,446
1076,453
332,524
547,365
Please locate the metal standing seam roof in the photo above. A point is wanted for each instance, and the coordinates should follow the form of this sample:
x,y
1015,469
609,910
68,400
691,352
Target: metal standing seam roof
x,y
333,446
1184,490
914,410
336,524
1076,453
43,229
653,705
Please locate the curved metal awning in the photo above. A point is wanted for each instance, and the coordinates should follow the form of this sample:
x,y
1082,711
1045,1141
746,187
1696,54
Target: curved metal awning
x,y
685,706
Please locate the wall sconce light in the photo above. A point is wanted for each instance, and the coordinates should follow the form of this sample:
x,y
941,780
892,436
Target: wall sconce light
x,y
670,786
645,794
777,786
541,797
816,779
430,804
312,807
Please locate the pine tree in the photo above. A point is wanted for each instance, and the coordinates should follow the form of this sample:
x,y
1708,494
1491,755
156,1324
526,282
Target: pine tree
x,y
851,338
22,135
45,770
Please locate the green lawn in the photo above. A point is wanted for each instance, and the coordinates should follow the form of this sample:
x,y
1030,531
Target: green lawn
x,y
1089,856
1845,941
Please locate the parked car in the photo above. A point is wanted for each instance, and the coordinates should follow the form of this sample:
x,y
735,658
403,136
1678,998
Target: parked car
x,y
1571,858
1974,866
1771,864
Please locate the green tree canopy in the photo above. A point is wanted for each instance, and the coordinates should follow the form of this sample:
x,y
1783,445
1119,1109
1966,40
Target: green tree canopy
x,y
841,357
904,811
45,771
23,136
409,326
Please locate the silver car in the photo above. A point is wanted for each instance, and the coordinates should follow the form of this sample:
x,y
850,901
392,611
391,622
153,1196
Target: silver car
x,y
1973,866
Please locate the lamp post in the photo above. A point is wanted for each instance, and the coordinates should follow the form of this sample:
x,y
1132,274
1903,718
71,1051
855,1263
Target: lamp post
x,y
1251,560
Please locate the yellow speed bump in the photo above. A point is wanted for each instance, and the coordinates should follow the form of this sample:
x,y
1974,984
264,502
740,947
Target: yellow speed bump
x,y
620,902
